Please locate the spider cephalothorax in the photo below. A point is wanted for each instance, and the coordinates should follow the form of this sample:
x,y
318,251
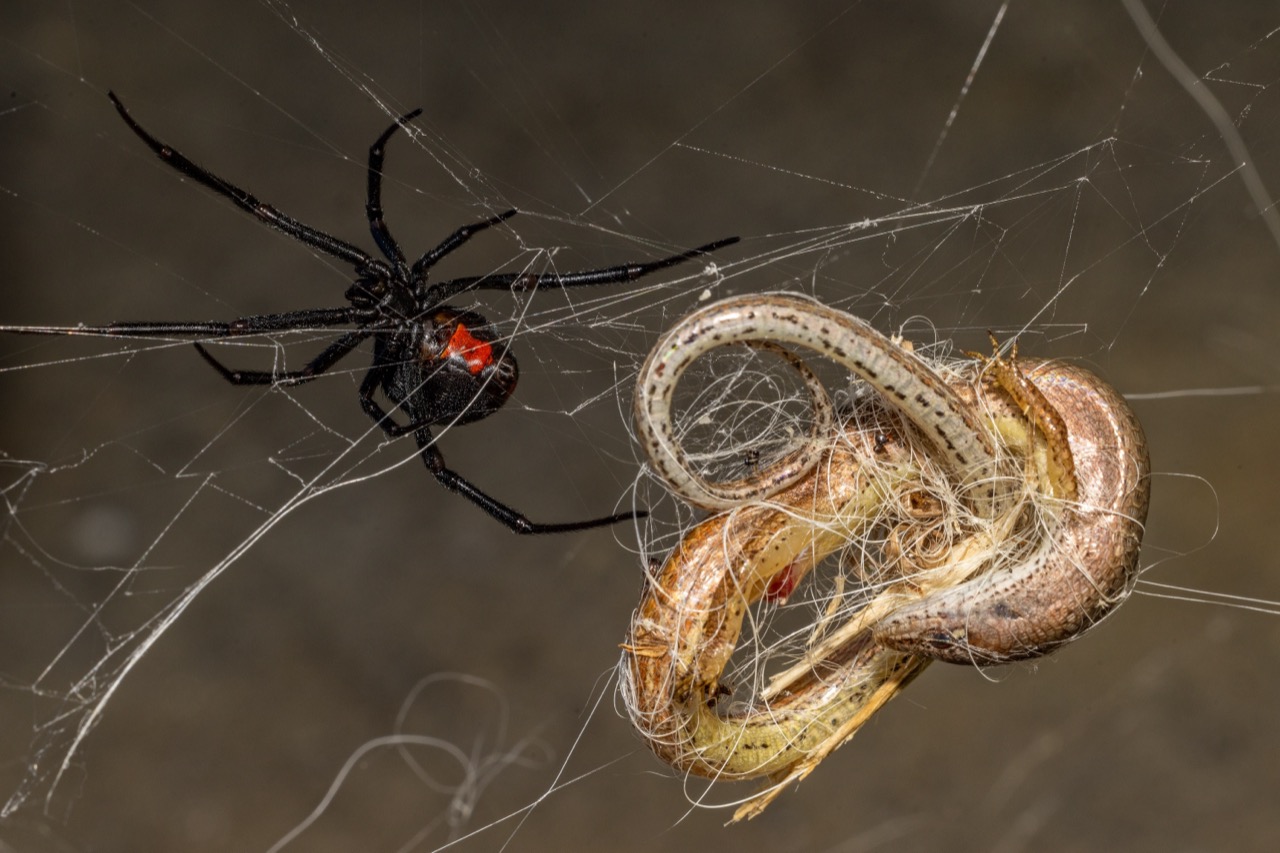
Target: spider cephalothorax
x,y
438,365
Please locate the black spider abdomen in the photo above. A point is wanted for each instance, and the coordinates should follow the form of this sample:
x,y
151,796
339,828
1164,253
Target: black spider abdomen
x,y
456,371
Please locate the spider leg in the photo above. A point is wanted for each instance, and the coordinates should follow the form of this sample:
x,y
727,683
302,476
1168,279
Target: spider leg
x,y
266,213
454,482
456,239
327,358
316,318
522,282
513,520
373,206
377,414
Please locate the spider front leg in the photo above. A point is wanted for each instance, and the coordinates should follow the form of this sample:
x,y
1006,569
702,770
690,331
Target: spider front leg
x,y
523,282
378,225
318,365
245,200
514,521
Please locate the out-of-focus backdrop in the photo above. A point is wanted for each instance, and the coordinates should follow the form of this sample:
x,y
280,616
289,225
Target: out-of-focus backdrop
x,y
1027,169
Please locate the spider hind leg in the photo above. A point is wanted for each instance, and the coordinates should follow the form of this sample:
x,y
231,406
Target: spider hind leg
x,y
513,520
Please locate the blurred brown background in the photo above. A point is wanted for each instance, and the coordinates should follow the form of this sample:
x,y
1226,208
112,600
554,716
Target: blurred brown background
x,y
625,130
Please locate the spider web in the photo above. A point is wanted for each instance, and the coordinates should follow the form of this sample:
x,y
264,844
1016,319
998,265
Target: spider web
x,y
226,610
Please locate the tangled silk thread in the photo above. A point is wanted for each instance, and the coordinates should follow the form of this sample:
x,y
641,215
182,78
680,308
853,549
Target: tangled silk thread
x,y
1047,474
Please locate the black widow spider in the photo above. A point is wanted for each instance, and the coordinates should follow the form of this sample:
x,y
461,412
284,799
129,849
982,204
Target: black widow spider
x,y
440,365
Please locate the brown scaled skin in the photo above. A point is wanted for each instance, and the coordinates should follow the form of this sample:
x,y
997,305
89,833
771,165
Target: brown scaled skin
x,y
1090,558
690,616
